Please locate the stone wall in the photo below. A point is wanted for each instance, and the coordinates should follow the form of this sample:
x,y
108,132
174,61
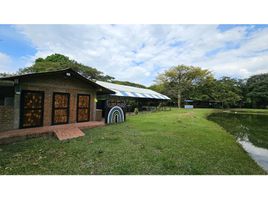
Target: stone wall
x,y
6,118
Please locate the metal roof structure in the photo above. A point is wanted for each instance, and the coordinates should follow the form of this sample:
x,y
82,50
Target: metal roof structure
x,y
129,91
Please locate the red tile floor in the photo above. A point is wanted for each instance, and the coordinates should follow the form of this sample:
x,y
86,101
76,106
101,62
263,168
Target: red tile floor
x,y
62,132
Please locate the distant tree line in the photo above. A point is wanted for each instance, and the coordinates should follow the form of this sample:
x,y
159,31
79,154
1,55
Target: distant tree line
x,y
188,82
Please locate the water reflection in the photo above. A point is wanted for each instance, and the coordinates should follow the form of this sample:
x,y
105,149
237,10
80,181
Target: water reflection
x,y
251,131
260,155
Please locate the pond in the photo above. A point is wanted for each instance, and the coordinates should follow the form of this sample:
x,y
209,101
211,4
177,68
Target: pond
x,y
250,130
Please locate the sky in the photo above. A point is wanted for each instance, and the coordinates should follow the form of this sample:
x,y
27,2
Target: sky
x,y
138,53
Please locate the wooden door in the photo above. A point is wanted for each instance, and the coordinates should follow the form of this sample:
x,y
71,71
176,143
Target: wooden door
x,y
32,109
83,107
60,109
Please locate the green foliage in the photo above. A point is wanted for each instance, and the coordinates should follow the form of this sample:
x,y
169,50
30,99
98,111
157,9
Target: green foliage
x,y
5,74
227,91
188,82
128,83
59,62
159,88
179,81
203,90
257,90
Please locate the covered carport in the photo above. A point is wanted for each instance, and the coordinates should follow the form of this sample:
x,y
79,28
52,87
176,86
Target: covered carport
x,y
131,97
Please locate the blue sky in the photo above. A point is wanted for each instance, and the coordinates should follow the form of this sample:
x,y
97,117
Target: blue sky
x,y
139,52
14,43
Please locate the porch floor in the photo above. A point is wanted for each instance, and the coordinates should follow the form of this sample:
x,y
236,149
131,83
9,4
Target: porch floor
x,y
62,132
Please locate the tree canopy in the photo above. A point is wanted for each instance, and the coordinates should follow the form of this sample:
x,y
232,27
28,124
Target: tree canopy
x,y
128,83
57,62
181,80
227,91
257,90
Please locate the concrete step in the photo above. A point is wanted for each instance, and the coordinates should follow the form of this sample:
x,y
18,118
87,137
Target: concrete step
x,y
68,133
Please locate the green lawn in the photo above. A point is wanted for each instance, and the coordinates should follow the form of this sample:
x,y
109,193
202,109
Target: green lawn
x,y
168,142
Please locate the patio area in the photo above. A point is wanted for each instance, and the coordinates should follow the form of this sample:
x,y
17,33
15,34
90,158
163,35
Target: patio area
x,y
62,132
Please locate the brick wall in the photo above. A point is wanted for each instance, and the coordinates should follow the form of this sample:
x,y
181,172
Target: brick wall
x,y
51,84
6,118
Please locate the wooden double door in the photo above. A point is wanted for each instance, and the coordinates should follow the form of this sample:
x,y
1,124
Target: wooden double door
x,y
83,108
61,108
32,109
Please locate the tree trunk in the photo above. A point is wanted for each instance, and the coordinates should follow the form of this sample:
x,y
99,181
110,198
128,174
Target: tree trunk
x,y
179,99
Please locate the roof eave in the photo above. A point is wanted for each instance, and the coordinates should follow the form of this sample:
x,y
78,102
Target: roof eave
x,y
102,90
6,83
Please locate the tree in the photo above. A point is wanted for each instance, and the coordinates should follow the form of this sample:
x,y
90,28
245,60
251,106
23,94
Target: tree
x,y
5,74
128,83
242,84
179,81
159,88
195,83
227,91
257,90
204,90
58,62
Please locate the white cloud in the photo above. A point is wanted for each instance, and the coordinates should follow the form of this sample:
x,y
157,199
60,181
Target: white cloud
x,y
5,62
138,52
9,64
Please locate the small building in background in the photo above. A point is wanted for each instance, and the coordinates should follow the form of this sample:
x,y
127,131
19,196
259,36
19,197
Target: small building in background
x,y
188,104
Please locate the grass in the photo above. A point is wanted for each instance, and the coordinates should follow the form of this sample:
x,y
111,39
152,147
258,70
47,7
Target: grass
x,y
168,142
